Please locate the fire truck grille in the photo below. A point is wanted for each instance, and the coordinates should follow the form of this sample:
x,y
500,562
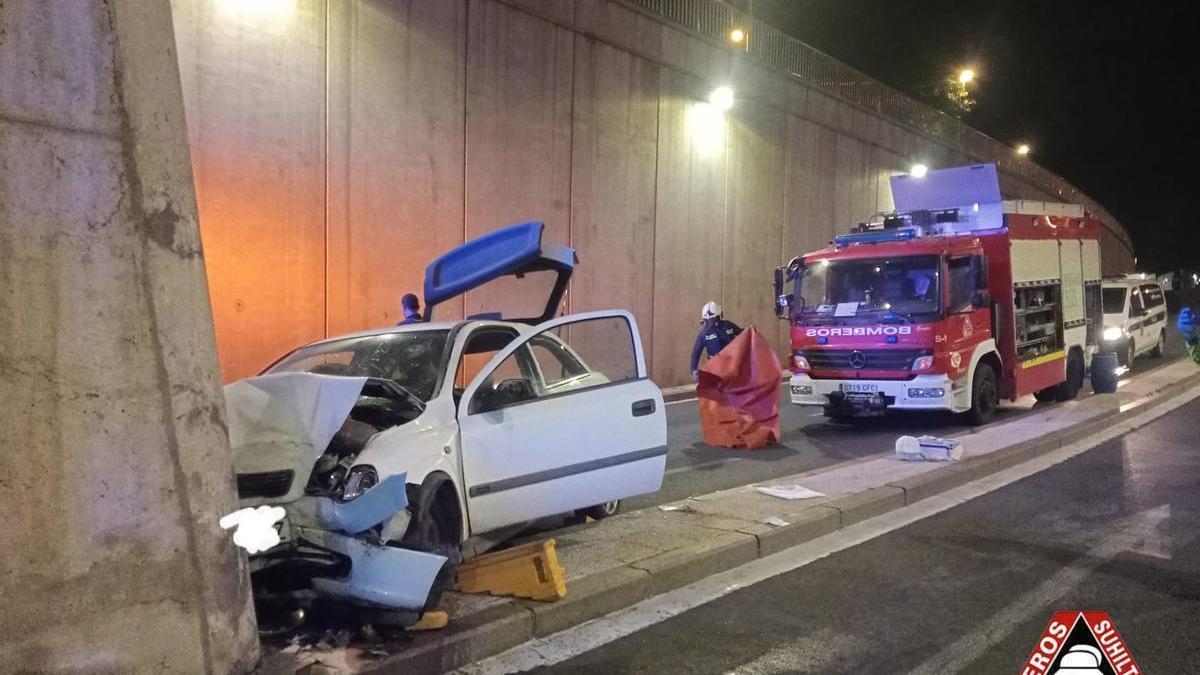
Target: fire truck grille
x,y
862,359
266,484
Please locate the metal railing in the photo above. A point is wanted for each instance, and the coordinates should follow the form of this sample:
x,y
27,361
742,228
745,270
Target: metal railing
x,y
714,20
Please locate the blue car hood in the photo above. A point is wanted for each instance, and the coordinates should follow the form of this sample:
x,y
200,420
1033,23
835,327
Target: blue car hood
x,y
514,250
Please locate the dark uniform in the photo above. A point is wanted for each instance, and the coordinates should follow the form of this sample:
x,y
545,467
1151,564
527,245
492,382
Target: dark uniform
x,y
713,336
1190,327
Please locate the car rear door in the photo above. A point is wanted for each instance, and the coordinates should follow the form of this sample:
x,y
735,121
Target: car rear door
x,y
563,418
1156,314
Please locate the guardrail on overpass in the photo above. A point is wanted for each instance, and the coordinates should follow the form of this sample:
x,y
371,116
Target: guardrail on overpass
x,y
713,20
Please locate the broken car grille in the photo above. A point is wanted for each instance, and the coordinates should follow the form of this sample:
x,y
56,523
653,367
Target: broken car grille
x,y
265,484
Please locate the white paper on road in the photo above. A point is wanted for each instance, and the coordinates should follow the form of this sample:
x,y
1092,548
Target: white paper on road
x,y
774,521
676,507
788,491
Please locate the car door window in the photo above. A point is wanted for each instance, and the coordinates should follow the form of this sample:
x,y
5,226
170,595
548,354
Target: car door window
x,y
596,352
480,347
1136,308
556,363
1152,296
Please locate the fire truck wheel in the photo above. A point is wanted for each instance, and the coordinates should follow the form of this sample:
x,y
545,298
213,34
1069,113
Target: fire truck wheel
x,y
1068,390
985,395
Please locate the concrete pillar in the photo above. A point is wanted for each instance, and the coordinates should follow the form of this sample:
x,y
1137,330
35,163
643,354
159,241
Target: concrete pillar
x,y
115,463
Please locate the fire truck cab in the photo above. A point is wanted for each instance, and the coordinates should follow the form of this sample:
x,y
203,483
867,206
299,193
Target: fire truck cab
x,y
954,302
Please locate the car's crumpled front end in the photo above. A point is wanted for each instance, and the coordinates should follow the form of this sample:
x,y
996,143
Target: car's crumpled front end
x,y
295,441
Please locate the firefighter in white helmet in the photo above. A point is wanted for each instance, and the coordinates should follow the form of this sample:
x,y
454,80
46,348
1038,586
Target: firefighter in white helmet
x,y
715,333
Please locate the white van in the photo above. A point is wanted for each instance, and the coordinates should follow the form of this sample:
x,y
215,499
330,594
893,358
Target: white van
x,y
1135,317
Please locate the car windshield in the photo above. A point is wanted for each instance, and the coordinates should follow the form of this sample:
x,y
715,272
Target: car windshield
x,y
411,359
874,289
1113,299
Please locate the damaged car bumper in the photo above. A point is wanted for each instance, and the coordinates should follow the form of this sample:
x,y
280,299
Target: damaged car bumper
x,y
347,538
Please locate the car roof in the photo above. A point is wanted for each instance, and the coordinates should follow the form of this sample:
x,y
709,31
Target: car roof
x,y
1122,282
419,327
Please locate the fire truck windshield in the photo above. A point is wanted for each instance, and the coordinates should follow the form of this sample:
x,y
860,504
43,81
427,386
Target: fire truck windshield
x,y
904,288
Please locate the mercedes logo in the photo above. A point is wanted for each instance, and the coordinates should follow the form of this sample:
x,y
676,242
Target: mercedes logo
x,y
858,359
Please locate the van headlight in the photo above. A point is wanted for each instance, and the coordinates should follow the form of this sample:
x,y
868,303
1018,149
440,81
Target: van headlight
x,y
360,479
1112,334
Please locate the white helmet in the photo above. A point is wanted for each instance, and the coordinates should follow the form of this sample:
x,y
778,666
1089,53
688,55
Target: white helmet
x,y
711,310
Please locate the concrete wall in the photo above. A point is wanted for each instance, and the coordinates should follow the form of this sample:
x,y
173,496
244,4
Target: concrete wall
x,y
116,464
338,146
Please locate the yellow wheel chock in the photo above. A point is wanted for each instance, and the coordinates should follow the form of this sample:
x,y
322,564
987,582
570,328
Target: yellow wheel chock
x,y
431,621
527,571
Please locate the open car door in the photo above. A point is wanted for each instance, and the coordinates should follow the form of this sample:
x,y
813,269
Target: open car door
x,y
562,418
518,269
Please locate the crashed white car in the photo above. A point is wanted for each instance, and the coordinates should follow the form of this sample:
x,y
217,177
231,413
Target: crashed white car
x,y
392,450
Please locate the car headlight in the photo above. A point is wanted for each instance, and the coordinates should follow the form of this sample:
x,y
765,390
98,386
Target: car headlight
x,y
360,479
922,363
799,363
1112,334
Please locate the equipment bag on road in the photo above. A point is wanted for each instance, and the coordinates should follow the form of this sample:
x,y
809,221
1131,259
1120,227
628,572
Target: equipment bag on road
x,y
739,394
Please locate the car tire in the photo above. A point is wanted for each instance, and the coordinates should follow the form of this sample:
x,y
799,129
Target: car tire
x,y
1160,347
1068,390
600,511
985,395
434,530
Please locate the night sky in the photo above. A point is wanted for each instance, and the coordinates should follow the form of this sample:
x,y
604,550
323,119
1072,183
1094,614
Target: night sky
x,y
1102,91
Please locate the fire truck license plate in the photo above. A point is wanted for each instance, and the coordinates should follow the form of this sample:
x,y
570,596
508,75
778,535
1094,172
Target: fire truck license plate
x,y
856,388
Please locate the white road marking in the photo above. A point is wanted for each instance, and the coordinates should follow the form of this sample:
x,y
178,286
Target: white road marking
x,y
585,637
684,400
960,654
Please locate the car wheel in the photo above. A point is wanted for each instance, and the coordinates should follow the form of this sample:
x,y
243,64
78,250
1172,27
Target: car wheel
x,y
1160,347
600,511
1070,389
435,530
985,395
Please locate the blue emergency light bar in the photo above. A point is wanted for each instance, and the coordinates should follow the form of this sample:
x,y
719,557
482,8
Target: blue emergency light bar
x,y
874,237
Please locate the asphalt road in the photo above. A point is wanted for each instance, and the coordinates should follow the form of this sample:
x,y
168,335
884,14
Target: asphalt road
x,y
970,589
810,441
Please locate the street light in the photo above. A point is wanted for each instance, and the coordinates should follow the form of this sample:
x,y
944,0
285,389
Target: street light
x,y
1023,149
966,76
737,35
721,98
918,171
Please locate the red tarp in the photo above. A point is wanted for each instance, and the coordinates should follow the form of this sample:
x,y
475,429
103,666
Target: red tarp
x,y
739,394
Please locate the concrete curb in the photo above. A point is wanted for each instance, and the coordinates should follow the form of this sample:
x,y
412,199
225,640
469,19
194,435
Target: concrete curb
x,y
495,630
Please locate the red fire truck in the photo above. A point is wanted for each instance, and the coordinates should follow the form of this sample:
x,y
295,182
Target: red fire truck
x,y
954,302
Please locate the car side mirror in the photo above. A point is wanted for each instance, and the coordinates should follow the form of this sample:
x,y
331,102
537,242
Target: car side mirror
x,y
782,300
506,393
515,390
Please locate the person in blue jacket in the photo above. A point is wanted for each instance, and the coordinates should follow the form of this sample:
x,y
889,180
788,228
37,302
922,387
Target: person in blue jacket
x,y
412,309
1190,327
715,333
